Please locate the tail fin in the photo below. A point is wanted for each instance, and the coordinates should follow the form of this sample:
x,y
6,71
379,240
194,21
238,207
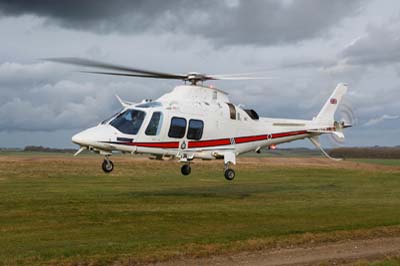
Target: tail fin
x,y
326,115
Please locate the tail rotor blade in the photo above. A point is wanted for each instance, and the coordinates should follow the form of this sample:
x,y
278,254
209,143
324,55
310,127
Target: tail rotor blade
x,y
347,118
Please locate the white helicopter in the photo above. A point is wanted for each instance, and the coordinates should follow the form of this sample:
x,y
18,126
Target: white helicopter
x,y
195,121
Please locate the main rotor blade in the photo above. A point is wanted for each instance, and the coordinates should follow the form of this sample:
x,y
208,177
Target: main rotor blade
x,y
246,74
239,78
117,70
97,64
129,75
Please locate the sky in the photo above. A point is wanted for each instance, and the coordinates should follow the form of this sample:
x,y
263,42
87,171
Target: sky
x,y
308,46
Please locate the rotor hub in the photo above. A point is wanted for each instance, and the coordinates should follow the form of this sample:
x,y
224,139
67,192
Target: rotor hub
x,y
194,77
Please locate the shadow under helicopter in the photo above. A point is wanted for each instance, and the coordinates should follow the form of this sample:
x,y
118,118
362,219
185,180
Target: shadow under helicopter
x,y
232,191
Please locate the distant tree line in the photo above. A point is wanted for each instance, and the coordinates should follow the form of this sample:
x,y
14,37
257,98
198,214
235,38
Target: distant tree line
x,y
367,152
348,152
46,149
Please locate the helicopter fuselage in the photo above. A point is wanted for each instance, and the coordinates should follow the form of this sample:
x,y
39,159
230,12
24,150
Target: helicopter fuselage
x,y
193,122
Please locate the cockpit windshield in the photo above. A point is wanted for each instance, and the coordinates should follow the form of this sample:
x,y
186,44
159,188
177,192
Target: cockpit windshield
x,y
129,122
110,117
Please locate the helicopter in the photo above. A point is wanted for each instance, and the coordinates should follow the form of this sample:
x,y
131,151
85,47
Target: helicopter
x,y
194,121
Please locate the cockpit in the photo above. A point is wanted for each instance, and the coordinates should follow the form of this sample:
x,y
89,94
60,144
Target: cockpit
x,y
129,121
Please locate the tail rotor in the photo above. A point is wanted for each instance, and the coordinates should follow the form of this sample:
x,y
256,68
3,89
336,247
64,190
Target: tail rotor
x,y
347,118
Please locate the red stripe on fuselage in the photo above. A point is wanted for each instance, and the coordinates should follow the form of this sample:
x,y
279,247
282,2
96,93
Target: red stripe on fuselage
x,y
164,145
250,139
288,134
209,143
239,140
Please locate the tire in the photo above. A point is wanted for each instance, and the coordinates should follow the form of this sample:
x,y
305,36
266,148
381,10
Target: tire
x,y
186,169
229,174
107,166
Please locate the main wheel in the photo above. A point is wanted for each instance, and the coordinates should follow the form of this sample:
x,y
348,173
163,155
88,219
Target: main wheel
x,y
107,166
229,174
186,169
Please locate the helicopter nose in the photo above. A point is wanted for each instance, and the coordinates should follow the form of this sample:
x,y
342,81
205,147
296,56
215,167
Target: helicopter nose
x,y
80,138
93,137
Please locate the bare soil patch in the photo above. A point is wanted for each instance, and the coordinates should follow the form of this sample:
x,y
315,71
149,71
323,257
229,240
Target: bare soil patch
x,y
340,253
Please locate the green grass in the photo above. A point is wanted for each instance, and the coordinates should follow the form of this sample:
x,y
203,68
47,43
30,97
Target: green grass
x,y
387,262
62,210
384,262
390,162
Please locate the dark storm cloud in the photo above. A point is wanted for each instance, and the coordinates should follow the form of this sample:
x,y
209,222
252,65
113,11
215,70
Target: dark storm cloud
x,y
229,22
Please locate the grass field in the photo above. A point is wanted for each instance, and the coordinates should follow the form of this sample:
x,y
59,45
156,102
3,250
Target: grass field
x,y
390,162
60,211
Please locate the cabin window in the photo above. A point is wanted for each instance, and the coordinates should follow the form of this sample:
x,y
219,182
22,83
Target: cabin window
x,y
232,111
129,122
153,128
253,114
195,130
177,128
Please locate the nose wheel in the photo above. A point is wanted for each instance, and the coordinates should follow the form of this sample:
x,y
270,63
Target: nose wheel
x,y
107,165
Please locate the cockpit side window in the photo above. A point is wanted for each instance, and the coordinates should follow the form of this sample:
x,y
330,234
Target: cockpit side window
x,y
129,122
153,128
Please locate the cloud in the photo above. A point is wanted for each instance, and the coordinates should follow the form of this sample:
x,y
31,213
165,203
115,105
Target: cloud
x,y
377,120
237,22
379,46
41,97
44,112
18,75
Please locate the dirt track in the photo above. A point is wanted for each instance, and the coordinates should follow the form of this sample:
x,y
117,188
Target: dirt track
x,y
341,253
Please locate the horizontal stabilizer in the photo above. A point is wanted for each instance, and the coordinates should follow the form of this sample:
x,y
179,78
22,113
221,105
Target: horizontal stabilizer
x,y
338,134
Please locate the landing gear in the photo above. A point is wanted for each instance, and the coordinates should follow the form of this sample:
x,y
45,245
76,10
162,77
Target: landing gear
x,y
107,165
229,158
229,174
186,169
